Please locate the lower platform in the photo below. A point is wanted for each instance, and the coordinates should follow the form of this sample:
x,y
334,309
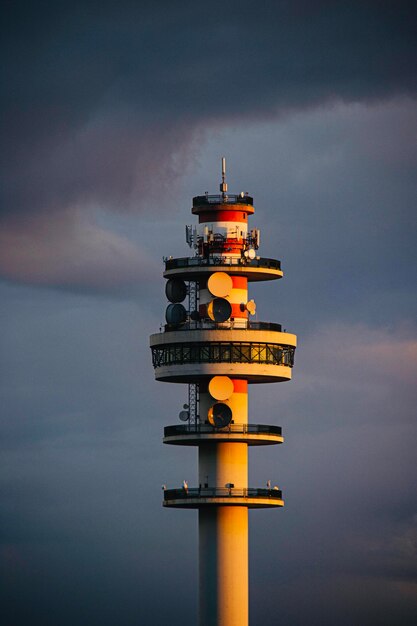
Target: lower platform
x,y
195,498
252,434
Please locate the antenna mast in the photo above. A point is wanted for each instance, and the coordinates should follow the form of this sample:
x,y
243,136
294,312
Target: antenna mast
x,y
223,184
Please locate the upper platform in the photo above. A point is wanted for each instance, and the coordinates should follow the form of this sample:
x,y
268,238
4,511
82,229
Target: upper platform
x,y
192,268
213,204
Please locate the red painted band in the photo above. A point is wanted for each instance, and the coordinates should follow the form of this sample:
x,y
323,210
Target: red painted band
x,y
240,386
239,282
238,313
223,216
226,248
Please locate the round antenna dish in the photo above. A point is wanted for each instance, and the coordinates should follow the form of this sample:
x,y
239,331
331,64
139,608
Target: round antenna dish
x,y
175,290
251,254
220,284
220,415
184,416
175,314
219,310
221,387
251,307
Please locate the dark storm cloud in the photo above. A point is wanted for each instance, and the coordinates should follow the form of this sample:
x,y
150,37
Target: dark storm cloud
x,y
101,103
97,97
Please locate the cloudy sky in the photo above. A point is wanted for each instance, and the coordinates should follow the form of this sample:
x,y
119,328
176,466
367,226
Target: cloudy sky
x,y
113,116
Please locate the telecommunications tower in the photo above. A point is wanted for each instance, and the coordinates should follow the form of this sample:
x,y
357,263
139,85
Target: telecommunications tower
x,y
211,344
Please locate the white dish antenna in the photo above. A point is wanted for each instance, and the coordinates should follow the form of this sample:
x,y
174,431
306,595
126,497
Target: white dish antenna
x,y
221,387
220,284
250,254
251,307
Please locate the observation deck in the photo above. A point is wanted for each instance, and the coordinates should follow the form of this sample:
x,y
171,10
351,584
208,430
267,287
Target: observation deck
x,y
226,198
194,434
195,498
227,325
191,268
259,356
222,202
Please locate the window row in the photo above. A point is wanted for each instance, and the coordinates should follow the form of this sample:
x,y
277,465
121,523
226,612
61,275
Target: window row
x,y
177,354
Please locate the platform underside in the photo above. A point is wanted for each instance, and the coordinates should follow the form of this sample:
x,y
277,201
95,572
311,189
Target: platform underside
x,y
216,437
251,503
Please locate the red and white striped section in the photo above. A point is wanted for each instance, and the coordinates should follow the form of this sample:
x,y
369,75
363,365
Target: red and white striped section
x,y
230,226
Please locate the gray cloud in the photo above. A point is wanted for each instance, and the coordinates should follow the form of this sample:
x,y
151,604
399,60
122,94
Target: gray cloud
x,y
67,250
103,105
98,99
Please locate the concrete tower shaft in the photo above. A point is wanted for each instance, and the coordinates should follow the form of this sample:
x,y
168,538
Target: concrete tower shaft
x,y
213,345
223,566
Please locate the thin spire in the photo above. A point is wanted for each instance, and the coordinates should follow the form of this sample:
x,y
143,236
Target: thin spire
x,y
223,184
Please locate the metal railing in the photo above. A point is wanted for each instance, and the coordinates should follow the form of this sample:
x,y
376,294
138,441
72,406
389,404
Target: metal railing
x,y
202,429
229,325
263,263
205,492
182,353
228,198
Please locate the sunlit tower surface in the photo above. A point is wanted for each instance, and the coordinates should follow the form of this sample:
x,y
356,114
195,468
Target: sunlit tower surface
x,y
211,344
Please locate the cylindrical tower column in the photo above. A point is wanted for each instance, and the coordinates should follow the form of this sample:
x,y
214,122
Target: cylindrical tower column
x,y
223,530
224,464
223,566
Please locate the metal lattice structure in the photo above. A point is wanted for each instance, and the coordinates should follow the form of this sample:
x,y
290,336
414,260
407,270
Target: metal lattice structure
x,y
193,398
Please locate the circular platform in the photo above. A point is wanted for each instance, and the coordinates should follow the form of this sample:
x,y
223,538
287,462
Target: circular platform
x,y
249,497
255,355
194,434
192,268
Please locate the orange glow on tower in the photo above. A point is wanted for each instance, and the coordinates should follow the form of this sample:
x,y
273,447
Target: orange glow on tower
x,y
211,344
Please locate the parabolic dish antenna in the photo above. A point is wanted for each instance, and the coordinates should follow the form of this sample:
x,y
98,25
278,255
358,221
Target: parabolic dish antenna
x,y
251,307
250,254
175,314
184,416
220,415
219,310
220,284
221,387
175,290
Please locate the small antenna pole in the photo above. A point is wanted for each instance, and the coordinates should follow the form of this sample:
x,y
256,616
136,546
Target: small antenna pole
x,y
223,184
